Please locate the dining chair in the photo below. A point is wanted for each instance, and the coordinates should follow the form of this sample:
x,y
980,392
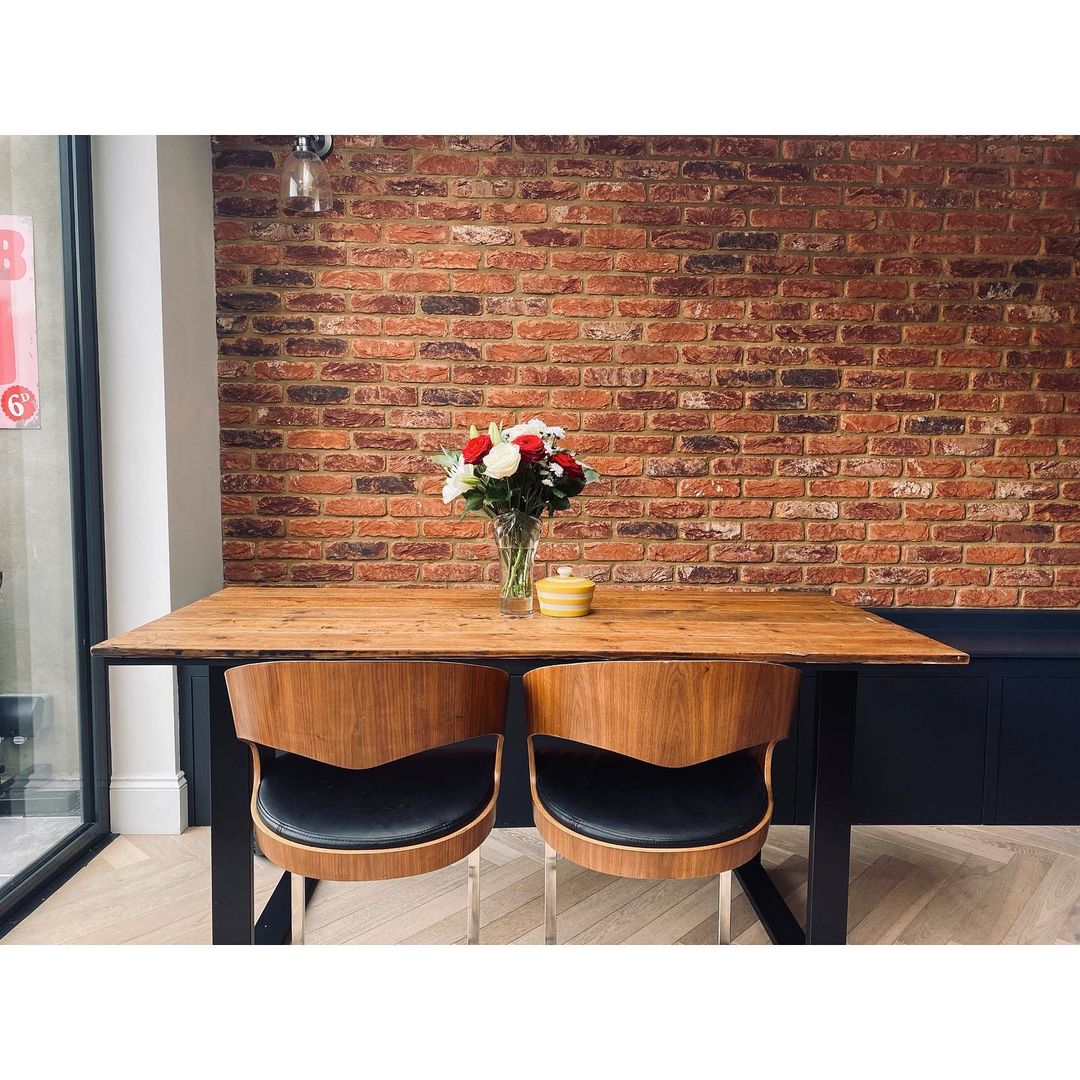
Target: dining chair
x,y
655,769
384,769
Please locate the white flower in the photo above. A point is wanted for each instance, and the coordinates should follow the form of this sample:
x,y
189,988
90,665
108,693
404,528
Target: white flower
x,y
458,480
502,460
535,426
511,433
556,468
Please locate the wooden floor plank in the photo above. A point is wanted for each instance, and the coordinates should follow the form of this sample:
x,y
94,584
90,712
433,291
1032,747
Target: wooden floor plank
x,y
1043,916
910,884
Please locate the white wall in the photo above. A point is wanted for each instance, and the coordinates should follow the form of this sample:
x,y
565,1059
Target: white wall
x,y
155,286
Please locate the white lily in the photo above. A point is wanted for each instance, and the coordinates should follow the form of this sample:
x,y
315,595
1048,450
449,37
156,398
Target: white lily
x,y
460,479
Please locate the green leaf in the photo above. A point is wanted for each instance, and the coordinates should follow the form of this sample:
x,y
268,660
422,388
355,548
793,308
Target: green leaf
x,y
447,459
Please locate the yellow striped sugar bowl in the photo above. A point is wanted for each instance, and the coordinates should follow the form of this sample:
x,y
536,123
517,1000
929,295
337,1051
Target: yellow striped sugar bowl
x,y
565,596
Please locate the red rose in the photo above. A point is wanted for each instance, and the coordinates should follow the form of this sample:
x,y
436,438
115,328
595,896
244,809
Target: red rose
x,y
475,449
531,446
569,464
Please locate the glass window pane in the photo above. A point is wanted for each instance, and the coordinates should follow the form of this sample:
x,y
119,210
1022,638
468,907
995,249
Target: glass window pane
x,y
40,799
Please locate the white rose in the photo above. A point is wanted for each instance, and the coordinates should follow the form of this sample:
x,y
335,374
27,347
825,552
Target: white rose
x,y
502,460
460,478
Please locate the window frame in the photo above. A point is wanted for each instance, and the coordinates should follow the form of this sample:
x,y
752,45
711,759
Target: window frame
x,y
33,883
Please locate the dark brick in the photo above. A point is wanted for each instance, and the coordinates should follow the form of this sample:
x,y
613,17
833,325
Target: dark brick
x,y
385,485
714,170
244,159
448,350
748,241
806,424
615,144
243,346
263,275
714,264
248,301
709,444
242,206
318,395
450,305
934,425
442,395
1005,290
777,399
1042,268
357,549
246,437
546,144
290,505
815,377
708,575
649,530
248,526
282,324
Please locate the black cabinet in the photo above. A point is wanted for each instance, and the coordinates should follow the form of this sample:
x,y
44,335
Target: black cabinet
x,y
1038,773
920,748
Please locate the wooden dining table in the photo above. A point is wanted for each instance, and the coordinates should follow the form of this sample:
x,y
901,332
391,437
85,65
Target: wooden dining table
x,y
245,624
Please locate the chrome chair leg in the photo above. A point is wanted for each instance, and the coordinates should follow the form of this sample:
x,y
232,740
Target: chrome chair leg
x,y
549,895
299,903
724,928
472,927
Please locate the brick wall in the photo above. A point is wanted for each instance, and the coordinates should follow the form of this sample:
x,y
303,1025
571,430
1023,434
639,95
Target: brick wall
x,y
811,363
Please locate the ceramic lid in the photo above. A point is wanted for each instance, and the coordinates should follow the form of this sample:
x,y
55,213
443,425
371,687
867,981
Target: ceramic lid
x,y
563,580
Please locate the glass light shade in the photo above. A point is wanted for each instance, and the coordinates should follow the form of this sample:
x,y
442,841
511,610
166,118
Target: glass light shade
x,y
305,183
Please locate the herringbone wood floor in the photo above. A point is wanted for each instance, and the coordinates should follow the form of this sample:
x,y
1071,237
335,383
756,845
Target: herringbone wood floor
x,y
915,884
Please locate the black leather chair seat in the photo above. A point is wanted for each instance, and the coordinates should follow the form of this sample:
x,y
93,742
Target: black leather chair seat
x,y
622,800
408,801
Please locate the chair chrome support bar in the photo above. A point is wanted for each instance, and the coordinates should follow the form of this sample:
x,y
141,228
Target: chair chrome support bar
x,y
472,928
724,922
299,904
550,936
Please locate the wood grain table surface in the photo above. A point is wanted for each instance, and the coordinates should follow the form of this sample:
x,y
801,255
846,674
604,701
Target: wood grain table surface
x,y
327,622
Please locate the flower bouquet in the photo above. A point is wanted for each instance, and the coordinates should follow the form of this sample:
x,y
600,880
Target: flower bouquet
x,y
513,476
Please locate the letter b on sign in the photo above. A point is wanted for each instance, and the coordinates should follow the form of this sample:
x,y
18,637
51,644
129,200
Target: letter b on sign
x,y
12,264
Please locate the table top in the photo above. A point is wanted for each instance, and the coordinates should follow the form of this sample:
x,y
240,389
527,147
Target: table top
x,y
327,622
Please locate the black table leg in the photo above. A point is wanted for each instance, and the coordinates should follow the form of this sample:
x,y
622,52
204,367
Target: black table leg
x,y
768,905
232,874
830,821
514,808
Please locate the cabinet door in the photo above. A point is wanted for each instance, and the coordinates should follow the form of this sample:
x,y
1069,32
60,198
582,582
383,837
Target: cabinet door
x,y
920,749
1039,761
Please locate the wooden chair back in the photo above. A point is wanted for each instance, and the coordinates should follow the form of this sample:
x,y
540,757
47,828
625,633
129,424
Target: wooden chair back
x,y
667,712
358,714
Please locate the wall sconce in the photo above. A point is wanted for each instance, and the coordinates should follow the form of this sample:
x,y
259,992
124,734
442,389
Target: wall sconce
x,y
305,183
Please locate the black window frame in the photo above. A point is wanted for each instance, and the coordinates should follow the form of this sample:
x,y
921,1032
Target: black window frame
x,y
32,883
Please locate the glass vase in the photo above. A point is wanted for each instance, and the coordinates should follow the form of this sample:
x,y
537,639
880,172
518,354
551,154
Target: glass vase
x,y
517,536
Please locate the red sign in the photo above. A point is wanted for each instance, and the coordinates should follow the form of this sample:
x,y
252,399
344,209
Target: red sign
x,y
18,325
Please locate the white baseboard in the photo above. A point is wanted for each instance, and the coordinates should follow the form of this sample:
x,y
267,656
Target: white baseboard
x,y
148,804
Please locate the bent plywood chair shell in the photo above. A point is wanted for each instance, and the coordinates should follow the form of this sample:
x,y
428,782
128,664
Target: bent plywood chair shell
x,y
669,713
666,712
357,715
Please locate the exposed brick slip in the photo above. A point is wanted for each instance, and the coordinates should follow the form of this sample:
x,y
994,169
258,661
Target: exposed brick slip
x,y
799,362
